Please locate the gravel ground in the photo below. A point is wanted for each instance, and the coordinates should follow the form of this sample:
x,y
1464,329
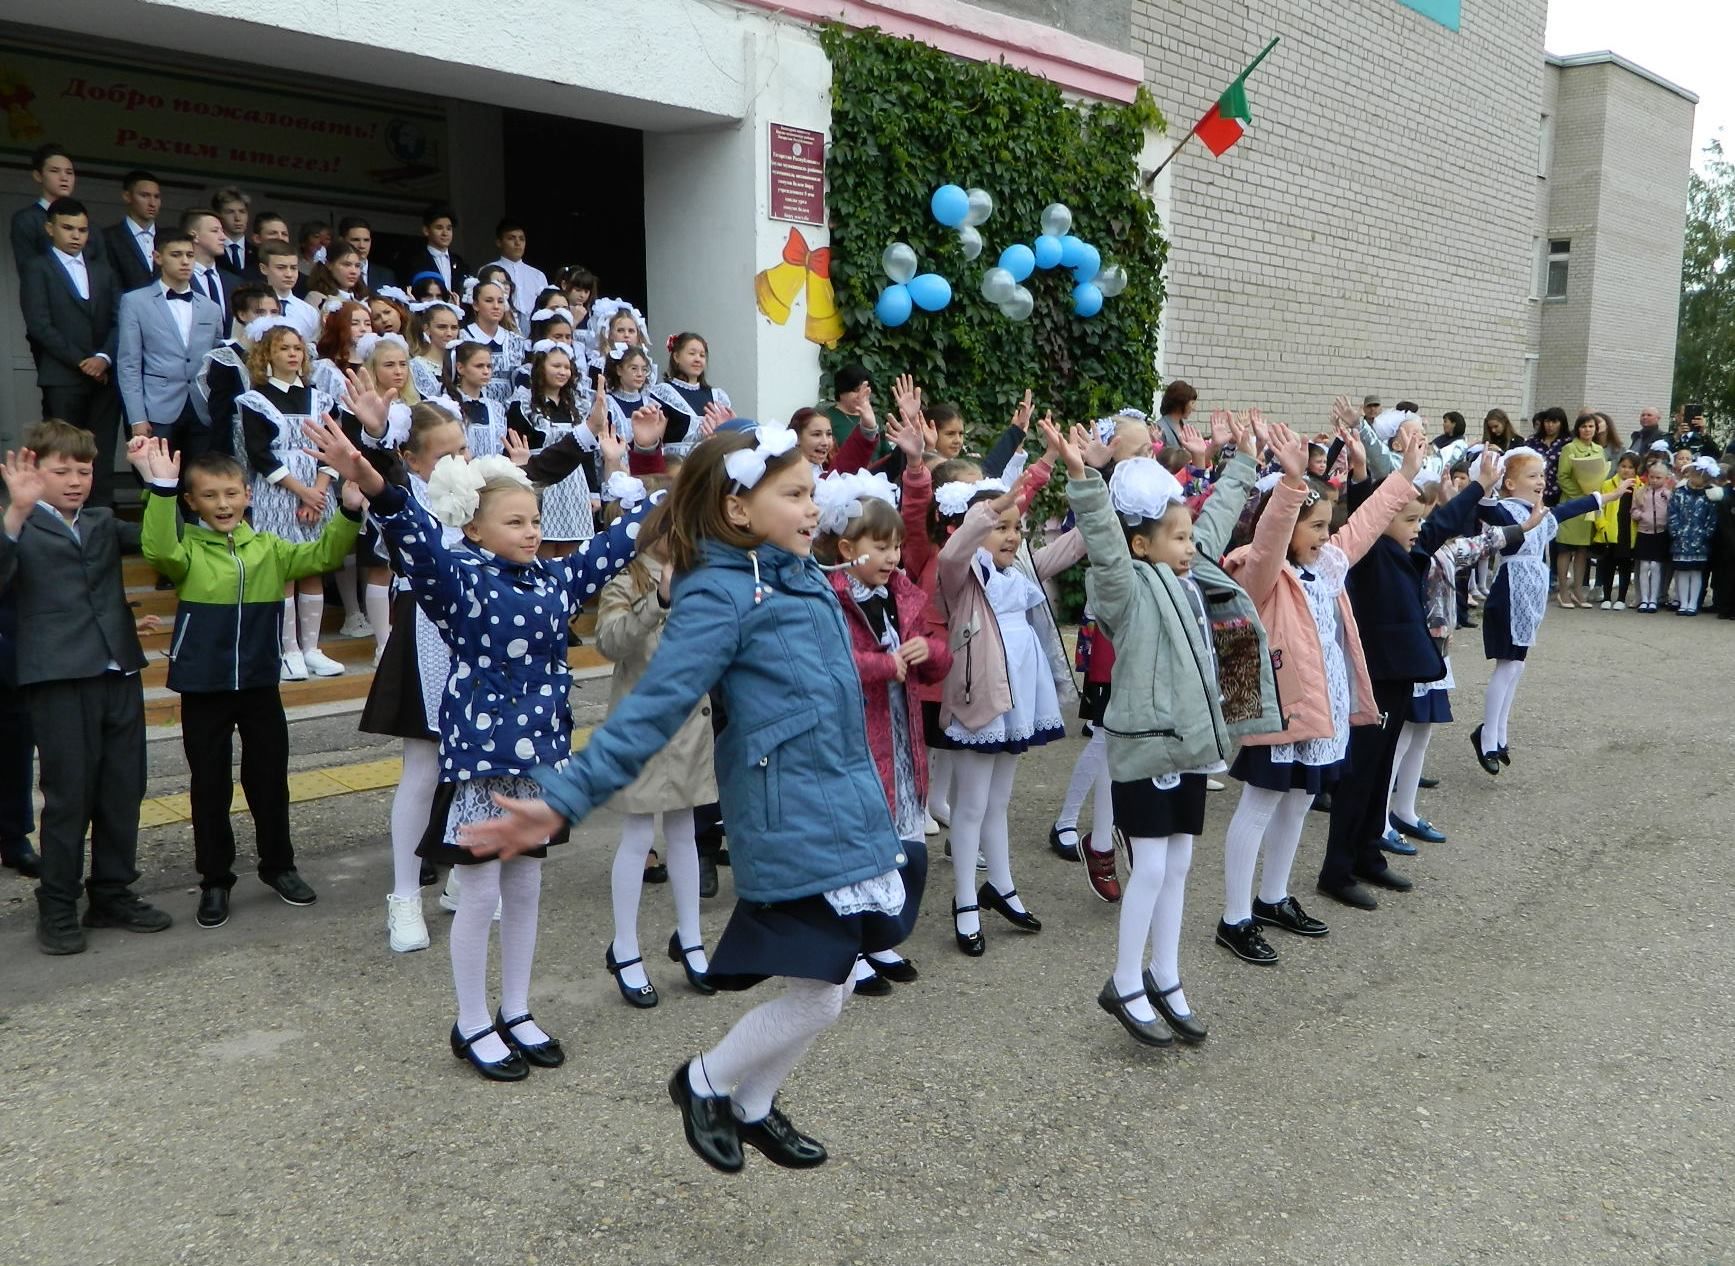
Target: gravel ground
x,y
1525,1060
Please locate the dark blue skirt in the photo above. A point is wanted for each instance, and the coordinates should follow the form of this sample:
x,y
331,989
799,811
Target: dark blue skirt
x,y
806,938
1433,708
1254,766
1497,623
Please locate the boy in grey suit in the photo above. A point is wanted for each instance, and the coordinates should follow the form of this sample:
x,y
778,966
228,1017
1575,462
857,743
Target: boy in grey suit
x,y
165,329
78,668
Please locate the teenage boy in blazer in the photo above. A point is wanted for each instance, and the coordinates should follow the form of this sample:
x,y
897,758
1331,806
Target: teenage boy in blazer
x,y
165,331
131,245
51,168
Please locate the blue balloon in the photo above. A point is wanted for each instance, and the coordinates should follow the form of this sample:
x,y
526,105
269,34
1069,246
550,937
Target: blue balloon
x,y
1071,251
930,292
893,308
1047,251
1086,300
1089,263
1019,260
950,205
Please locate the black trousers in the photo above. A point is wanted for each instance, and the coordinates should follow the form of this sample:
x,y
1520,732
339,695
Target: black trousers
x,y
95,406
90,742
17,808
209,724
1614,571
1358,802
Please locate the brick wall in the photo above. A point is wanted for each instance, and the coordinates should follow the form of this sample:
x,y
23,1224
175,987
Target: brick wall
x,y
1373,231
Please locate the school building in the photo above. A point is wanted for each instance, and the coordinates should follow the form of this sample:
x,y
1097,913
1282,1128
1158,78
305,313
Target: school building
x,y
1388,223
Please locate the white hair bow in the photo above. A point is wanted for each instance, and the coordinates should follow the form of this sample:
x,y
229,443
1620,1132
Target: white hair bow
x,y
447,304
1659,446
549,314
840,496
1706,466
1142,488
394,294
332,304
1386,424
469,296
1265,483
259,327
618,351
1429,476
627,489
954,498
746,466
455,486
549,345
447,405
368,344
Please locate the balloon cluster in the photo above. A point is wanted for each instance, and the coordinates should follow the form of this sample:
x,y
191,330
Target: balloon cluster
x,y
956,208
963,209
1055,247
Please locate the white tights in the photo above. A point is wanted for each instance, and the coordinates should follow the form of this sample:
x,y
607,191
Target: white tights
x,y
1650,583
1274,819
755,1056
515,886
627,880
1150,915
379,614
411,806
1407,770
1090,772
940,782
1502,688
1689,587
981,792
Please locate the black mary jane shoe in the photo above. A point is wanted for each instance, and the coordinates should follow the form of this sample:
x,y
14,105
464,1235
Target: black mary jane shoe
x,y
903,971
1186,1027
780,1142
678,954
1145,1032
656,872
543,1054
873,985
512,1068
708,1122
1060,848
1421,829
972,943
1288,915
1246,942
1504,755
1001,904
644,996
1489,761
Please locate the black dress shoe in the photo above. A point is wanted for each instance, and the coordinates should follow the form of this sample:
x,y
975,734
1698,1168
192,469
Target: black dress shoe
x,y
707,874
23,859
780,1142
543,1054
1387,878
213,908
1186,1027
1288,915
708,1122
291,887
644,996
972,943
656,872
903,971
512,1068
1060,848
1504,755
1246,942
428,876
678,954
128,912
1144,1032
1322,802
874,986
1489,761
1001,904
1421,829
1427,784
1350,894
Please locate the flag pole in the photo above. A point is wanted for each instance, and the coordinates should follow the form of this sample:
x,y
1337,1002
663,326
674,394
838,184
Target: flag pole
x,y
1152,178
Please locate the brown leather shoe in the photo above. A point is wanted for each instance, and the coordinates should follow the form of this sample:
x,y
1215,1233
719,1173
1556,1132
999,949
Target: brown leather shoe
x,y
1099,868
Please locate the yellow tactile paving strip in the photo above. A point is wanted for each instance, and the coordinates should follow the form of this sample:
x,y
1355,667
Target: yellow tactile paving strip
x,y
308,784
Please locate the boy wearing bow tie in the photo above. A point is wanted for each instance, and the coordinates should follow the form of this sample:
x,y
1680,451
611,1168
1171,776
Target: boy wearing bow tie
x,y
165,331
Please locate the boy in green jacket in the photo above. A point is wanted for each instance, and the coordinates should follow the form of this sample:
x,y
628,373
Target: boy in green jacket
x,y
224,657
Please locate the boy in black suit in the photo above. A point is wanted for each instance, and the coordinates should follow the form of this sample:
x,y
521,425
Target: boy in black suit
x,y
205,231
78,666
439,226
51,168
131,245
359,234
70,300
233,207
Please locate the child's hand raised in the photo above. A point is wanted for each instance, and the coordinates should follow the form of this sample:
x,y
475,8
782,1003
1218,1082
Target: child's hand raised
x,y
161,466
1410,445
1290,450
332,447
612,447
1488,468
1067,450
364,399
715,415
1194,443
1093,450
599,405
648,427
1538,513
517,449
1240,431
1022,414
351,497
1343,415
907,397
906,435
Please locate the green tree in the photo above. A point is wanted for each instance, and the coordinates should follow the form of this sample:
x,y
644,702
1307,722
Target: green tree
x,y
1705,345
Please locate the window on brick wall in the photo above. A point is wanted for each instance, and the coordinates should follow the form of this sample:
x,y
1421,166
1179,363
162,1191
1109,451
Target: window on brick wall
x,y
1559,255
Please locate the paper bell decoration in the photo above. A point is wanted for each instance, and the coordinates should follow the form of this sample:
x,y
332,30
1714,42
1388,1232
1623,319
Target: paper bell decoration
x,y
824,325
776,289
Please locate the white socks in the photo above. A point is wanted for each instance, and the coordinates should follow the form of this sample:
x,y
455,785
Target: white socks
x,y
755,1057
291,636
410,813
516,886
521,904
1274,819
627,879
1407,773
310,609
1502,688
981,792
346,588
379,613
1151,904
1650,582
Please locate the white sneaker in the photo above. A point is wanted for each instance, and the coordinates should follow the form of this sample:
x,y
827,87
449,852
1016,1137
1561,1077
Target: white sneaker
x,y
294,666
1607,606
322,665
449,896
356,626
1620,606
929,826
1211,784
406,928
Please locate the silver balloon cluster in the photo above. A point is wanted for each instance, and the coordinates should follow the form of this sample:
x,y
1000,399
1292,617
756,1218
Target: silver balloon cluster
x,y
1055,247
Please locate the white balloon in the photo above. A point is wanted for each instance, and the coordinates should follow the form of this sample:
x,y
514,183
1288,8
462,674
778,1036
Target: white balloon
x,y
1057,219
998,286
899,261
970,240
1019,306
981,206
1111,281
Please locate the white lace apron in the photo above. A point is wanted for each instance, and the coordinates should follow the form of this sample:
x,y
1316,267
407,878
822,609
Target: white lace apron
x,y
1527,574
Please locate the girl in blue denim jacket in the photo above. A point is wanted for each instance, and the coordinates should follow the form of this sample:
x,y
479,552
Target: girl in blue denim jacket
x,y
816,858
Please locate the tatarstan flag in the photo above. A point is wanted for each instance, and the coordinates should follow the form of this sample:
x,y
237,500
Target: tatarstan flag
x,y
1221,126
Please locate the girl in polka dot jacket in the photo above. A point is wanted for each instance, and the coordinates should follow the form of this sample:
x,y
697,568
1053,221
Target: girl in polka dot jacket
x,y
505,710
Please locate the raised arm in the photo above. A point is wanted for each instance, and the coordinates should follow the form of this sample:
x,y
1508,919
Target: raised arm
x,y
590,567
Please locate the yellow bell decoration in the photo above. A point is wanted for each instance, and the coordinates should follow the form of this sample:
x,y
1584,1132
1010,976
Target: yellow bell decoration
x,y
824,325
776,288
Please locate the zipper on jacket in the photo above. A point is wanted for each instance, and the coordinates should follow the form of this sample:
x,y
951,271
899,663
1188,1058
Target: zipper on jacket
x,y
1204,681
240,601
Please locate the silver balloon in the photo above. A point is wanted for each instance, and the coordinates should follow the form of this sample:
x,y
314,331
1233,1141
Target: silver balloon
x,y
970,241
1111,281
1057,219
998,285
981,206
1019,306
899,261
